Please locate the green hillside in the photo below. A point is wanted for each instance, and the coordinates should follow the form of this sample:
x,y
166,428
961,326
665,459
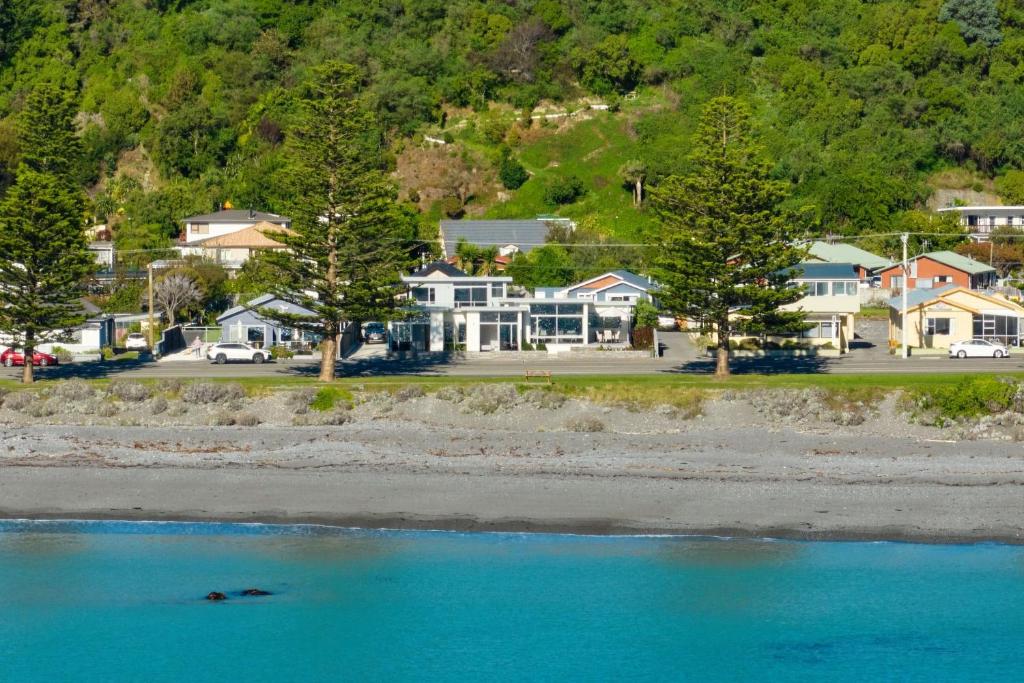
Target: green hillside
x,y
864,106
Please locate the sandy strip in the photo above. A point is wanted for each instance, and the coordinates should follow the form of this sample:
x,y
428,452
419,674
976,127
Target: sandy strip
x,y
736,482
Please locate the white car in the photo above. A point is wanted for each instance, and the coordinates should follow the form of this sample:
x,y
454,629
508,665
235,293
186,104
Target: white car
x,y
667,322
236,352
978,348
136,340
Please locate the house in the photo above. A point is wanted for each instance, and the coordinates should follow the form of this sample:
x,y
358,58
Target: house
x,y
865,262
456,310
245,324
233,249
225,222
96,332
939,268
831,302
981,220
103,253
938,317
509,236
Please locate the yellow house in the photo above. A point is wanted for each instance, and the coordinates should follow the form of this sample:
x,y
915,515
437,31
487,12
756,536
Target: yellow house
x,y
939,317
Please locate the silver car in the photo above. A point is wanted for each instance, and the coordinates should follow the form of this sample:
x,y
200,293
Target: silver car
x,y
978,348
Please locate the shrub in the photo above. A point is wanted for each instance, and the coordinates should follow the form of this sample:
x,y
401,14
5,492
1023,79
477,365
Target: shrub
x,y
212,392
158,405
453,394
333,418
484,399
19,400
170,386
63,355
222,418
41,409
327,397
970,398
452,207
585,424
278,352
247,419
512,174
409,392
107,352
540,398
564,190
130,392
106,409
301,399
73,390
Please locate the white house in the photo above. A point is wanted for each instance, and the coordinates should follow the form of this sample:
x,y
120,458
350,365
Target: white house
x,y
477,313
981,220
225,222
234,249
831,302
103,252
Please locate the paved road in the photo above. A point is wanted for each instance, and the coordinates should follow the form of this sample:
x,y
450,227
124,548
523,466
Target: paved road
x,y
853,363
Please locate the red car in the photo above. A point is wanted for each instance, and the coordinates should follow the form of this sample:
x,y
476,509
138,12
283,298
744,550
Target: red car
x,y
11,357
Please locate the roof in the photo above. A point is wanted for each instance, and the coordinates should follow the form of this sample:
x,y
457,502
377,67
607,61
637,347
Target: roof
x,y
438,267
254,303
826,271
253,237
916,297
525,234
965,209
623,275
955,260
236,216
847,253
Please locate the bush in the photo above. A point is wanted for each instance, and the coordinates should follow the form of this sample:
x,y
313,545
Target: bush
x,y
453,394
585,424
247,419
170,386
63,355
512,174
643,338
278,352
408,393
970,398
540,398
333,418
484,399
130,392
107,352
212,392
327,397
452,207
222,418
563,190
19,400
73,390
158,405
106,409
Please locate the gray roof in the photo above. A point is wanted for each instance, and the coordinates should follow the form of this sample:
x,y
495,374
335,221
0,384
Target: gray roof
x,y
525,234
916,297
237,216
254,303
439,267
635,280
826,271
847,253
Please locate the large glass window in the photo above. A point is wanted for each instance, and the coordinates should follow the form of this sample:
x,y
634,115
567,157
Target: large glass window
x,y
817,289
470,296
424,295
844,288
497,289
557,323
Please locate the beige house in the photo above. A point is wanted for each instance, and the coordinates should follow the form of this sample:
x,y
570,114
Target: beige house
x,y
233,249
939,317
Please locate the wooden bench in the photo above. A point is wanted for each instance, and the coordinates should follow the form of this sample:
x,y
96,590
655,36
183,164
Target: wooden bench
x,y
530,374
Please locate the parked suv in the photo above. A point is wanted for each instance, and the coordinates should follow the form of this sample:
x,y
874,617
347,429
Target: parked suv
x,y
236,352
136,340
375,333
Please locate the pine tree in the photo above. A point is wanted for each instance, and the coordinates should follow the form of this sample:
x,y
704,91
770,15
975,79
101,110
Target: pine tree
x,y
351,240
978,19
726,249
44,257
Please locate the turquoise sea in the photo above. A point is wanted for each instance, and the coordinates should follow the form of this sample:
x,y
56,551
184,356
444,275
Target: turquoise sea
x,y
119,601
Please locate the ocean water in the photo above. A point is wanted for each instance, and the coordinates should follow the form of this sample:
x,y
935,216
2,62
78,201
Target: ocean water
x,y
115,601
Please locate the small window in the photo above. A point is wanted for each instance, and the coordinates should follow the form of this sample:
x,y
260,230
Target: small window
x,y
937,326
200,228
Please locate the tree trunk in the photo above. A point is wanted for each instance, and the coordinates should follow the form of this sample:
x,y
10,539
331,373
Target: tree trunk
x,y
329,349
28,350
722,357
638,199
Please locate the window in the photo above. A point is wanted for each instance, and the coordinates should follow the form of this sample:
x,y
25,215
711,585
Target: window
x,y
631,298
200,228
497,290
470,296
556,323
584,295
844,289
424,295
820,330
939,279
937,326
897,281
972,221
817,289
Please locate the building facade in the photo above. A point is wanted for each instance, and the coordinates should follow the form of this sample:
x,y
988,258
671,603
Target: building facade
x,y
938,269
980,221
225,222
939,317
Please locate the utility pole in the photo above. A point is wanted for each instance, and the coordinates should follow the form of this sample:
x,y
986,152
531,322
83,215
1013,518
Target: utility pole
x,y
906,274
151,324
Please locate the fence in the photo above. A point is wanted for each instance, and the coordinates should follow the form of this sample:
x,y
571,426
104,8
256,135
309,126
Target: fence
x,y
170,341
207,335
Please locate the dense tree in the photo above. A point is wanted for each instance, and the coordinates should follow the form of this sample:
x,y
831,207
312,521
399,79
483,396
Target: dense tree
x,y
547,266
175,292
725,248
634,173
44,259
977,19
350,238
474,260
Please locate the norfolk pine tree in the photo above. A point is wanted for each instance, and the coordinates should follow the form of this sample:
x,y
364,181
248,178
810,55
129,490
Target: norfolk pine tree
x,y
350,238
44,257
725,245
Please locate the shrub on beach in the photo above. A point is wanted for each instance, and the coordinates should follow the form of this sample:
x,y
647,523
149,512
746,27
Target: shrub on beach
x,y
585,424
158,405
212,392
408,393
129,392
322,419
42,408
485,399
222,418
328,398
19,400
106,409
971,397
548,400
72,390
247,419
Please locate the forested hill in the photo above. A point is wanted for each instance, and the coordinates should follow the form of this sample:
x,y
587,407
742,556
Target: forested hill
x,y
864,105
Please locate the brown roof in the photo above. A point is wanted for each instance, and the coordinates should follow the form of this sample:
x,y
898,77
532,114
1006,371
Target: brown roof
x,y
253,237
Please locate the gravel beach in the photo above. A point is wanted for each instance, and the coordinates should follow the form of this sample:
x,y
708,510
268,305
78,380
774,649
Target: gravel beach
x,y
423,462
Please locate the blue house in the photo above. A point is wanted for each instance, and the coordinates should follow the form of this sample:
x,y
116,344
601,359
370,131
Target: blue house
x,y
245,324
